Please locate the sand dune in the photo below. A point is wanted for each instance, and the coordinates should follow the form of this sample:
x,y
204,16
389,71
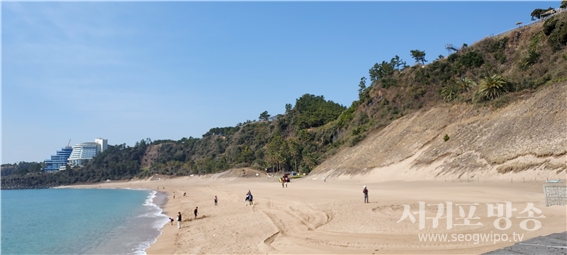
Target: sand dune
x,y
312,216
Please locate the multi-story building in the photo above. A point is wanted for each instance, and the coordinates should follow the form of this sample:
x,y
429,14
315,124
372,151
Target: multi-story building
x,y
59,160
86,151
103,144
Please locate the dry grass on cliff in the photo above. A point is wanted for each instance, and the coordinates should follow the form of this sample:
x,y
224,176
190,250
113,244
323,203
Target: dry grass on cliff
x,y
528,134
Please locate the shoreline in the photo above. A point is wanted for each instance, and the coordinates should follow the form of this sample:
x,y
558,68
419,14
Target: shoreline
x,y
315,212
160,200
163,244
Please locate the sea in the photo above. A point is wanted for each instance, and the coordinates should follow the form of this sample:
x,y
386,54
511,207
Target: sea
x,y
80,221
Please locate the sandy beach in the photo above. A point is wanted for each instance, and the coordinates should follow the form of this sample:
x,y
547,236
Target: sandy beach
x,y
312,216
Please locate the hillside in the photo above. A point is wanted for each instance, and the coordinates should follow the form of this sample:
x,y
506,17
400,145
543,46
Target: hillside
x,y
528,136
500,101
306,137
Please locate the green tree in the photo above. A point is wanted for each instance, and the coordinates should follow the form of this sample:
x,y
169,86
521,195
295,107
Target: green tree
x,y
397,63
374,72
309,160
386,69
361,87
246,155
294,152
287,108
276,151
492,87
419,56
471,59
382,70
315,111
264,116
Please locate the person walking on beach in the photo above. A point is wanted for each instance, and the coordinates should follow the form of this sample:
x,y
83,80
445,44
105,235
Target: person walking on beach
x,y
179,220
216,200
249,198
174,195
196,211
365,191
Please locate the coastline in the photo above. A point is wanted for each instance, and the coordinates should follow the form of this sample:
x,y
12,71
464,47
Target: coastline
x,y
164,242
161,201
312,216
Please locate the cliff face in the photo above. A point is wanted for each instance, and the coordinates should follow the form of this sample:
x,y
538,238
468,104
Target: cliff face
x,y
525,136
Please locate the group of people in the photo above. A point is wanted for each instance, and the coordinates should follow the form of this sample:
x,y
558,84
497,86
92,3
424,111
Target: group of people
x,y
195,213
180,218
249,198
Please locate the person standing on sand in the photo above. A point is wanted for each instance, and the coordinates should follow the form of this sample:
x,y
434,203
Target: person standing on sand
x,y
365,191
174,195
179,220
216,200
196,211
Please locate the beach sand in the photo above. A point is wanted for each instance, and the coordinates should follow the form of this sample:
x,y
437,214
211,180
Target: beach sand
x,y
315,217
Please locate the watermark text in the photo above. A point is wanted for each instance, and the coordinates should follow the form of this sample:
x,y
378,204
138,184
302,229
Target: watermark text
x,y
475,238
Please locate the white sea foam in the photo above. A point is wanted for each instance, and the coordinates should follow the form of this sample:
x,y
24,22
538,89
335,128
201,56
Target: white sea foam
x,y
141,249
161,220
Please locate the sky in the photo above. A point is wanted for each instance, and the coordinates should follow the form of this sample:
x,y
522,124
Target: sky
x,y
127,71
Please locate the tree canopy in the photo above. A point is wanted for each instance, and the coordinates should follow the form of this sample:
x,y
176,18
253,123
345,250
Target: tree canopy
x,y
264,116
418,55
315,111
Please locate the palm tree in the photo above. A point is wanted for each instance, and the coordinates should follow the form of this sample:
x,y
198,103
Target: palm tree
x,y
464,84
530,59
449,93
492,87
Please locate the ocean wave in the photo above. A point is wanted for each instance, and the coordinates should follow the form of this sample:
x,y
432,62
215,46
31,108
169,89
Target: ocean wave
x,y
159,223
156,212
141,249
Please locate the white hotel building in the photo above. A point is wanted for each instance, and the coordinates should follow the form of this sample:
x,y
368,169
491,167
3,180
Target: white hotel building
x,y
87,151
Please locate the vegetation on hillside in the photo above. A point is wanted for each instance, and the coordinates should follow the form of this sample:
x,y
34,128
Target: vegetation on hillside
x,y
490,72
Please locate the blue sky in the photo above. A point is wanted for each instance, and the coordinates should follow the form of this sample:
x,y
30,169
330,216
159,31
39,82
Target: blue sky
x,y
127,71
